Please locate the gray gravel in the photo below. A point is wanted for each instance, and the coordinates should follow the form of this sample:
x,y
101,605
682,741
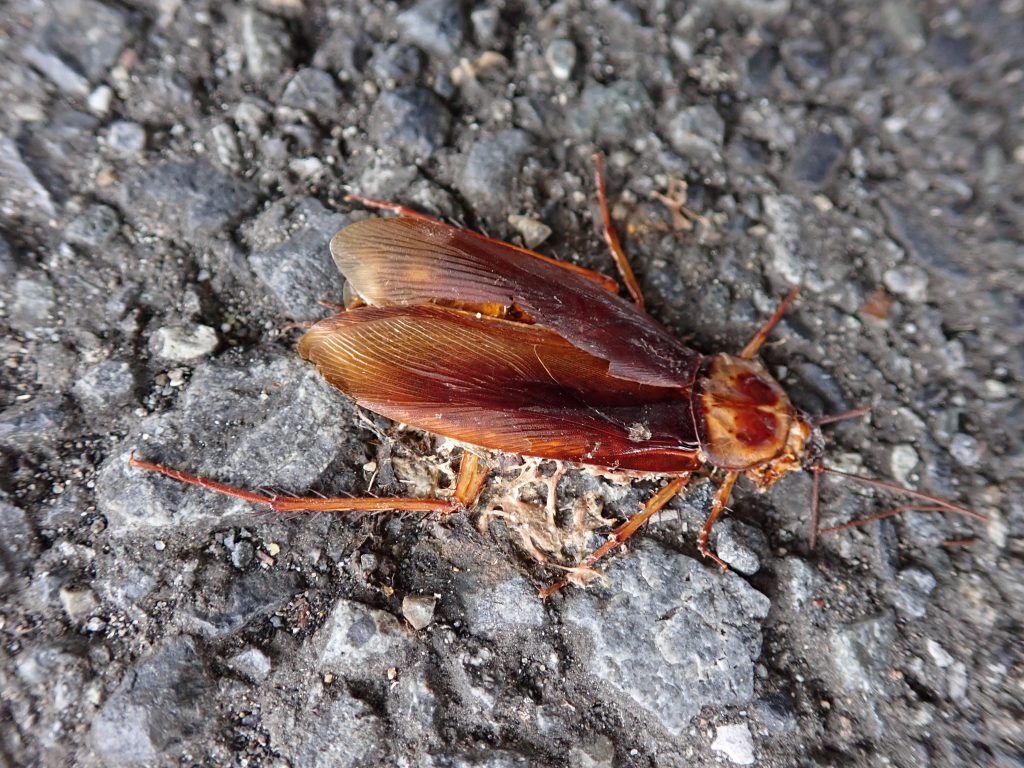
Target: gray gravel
x,y
170,176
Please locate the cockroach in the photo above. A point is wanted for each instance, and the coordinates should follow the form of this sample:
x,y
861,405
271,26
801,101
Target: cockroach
x,y
503,349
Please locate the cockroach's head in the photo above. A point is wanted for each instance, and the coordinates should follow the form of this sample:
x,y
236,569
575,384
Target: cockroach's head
x,y
745,422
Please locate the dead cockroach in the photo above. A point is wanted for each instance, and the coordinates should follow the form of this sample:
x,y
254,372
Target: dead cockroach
x,y
503,349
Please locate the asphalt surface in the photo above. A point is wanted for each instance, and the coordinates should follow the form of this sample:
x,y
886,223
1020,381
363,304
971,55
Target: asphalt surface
x,y
170,177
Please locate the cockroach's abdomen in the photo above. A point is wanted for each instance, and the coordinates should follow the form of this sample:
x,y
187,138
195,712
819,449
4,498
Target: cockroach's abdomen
x,y
741,414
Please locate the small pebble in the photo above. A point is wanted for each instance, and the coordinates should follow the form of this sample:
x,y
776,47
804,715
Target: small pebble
x,y
126,138
418,610
184,342
965,449
902,462
411,120
485,24
697,132
242,554
100,99
34,301
435,26
732,546
939,654
996,390
94,227
251,664
534,232
908,282
735,743
914,586
306,168
225,146
313,91
78,603
105,386
561,58
958,681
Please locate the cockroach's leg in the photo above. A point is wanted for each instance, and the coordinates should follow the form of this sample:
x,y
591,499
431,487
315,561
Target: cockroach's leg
x,y
331,305
612,238
304,325
302,503
627,529
755,344
717,507
472,476
371,202
387,205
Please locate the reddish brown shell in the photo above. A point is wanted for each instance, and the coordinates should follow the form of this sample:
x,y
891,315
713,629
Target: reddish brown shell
x,y
501,385
405,262
741,414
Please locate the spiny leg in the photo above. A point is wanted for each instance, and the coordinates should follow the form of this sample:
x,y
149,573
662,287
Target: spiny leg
x,y
624,531
717,507
372,202
333,306
303,503
755,344
387,205
612,238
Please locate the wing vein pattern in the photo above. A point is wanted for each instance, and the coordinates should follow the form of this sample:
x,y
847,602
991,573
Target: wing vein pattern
x,y
502,385
407,262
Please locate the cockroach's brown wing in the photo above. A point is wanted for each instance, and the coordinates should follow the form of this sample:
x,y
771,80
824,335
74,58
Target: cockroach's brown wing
x,y
407,261
501,385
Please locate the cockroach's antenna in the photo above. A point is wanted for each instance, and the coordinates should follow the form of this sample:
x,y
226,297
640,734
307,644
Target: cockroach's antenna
x,y
938,501
815,499
883,515
932,503
831,418
815,452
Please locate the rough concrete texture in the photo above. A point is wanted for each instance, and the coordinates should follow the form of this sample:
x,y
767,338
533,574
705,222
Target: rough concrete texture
x,y
170,176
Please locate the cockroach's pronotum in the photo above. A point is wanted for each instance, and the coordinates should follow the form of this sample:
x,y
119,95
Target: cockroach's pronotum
x,y
503,349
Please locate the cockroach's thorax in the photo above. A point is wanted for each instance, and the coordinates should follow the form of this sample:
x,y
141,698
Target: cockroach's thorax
x,y
743,418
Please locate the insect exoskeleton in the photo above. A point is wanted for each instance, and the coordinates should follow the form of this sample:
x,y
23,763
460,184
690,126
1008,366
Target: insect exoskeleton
x,y
745,421
503,349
